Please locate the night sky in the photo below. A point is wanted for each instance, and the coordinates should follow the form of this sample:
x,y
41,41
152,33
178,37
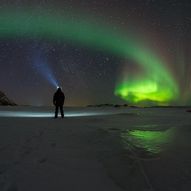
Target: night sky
x,y
103,51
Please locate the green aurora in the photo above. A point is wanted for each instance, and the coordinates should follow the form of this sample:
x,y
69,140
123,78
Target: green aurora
x,y
156,84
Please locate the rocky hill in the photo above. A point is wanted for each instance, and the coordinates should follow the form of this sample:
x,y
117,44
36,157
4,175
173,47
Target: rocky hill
x,y
4,100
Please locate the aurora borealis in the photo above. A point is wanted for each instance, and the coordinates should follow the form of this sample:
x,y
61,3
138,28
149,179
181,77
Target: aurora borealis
x,y
155,81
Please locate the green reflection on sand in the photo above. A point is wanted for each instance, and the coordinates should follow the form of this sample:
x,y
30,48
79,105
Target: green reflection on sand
x,y
151,141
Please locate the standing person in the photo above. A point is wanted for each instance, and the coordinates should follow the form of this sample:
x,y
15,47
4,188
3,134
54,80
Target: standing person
x,y
58,101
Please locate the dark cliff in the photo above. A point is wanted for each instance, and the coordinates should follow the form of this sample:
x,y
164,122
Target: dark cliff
x,y
4,100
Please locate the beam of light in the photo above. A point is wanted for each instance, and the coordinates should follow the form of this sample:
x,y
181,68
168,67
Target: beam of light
x,y
40,65
43,114
151,141
157,83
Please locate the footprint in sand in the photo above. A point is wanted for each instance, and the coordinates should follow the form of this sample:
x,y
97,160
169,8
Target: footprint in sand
x,y
7,185
53,144
43,160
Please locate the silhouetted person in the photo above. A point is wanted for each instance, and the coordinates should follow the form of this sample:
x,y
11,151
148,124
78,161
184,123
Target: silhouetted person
x,y
58,101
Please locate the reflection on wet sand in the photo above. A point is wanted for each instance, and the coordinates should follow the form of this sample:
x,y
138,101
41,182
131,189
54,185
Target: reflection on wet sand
x,y
148,141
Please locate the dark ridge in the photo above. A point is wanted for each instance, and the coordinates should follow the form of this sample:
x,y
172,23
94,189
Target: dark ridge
x,y
112,105
4,100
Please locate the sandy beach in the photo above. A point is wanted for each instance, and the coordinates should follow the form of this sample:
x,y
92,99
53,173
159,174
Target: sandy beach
x,y
112,149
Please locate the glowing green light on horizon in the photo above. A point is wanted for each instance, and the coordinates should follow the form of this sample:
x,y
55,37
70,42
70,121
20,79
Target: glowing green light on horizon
x,y
136,91
157,83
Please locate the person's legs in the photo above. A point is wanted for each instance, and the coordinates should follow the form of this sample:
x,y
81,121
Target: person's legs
x,y
62,111
56,111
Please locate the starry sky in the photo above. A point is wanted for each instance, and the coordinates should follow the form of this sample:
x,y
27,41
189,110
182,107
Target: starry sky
x,y
102,51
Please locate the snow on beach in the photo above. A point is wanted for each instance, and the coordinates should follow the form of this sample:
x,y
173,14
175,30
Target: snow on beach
x,y
110,149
